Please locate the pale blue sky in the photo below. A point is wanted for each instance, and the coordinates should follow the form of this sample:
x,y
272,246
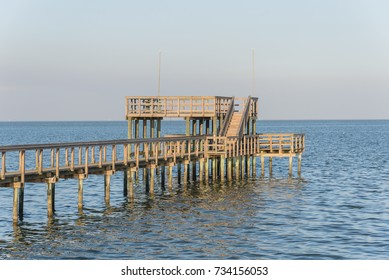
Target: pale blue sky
x,y
77,60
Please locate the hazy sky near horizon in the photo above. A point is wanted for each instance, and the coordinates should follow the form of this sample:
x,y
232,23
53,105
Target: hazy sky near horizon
x,y
77,60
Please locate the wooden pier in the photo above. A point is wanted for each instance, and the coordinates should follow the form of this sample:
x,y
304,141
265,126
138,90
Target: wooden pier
x,y
220,139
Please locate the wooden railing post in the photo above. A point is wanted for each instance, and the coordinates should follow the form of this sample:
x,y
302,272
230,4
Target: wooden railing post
x,y
3,165
86,160
57,163
22,166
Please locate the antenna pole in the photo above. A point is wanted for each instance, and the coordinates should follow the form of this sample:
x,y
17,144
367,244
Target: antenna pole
x,y
159,73
253,77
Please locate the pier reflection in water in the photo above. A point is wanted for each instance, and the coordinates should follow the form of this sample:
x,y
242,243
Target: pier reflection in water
x,y
195,221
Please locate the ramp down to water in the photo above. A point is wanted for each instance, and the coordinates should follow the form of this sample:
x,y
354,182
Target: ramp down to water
x,y
220,141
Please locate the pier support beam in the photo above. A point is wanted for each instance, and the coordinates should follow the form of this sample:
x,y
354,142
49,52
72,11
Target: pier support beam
x,y
187,163
270,166
206,167
125,182
194,172
159,134
214,169
51,196
187,126
163,172
290,166
262,166
80,178
107,185
128,186
201,170
170,177
186,172
179,173
201,127
299,165
136,128
214,126
129,135
249,167
152,178
237,167
229,168
254,129
146,179
242,165
18,197
254,166
222,168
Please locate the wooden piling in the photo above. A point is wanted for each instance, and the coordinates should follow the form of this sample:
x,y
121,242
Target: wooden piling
x,y
129,128
107,185
262,166
214,169
16,196
179,173
131,178
146,179
214,126
222,168
80,178
21,201
162,172
136,129
201,170
248,166
152,178
254,166
242,166
270,166
186,171
290,165
187,126
194,172
237,167
229,168
206,167
299,165
170,178
50,196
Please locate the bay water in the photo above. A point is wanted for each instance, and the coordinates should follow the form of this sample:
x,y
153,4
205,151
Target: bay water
x,y
337,209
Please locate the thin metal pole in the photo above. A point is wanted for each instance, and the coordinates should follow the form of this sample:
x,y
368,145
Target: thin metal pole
x,y
253,77
159,73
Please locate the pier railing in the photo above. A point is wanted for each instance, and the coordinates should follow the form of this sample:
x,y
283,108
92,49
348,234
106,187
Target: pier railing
x,y
227,119
176,106
36,162
65,160
256,145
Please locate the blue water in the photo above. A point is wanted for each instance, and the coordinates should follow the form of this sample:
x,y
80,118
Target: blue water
x,y
338,209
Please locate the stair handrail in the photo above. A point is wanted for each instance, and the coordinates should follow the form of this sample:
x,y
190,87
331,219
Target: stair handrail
x,y
243,120
227,119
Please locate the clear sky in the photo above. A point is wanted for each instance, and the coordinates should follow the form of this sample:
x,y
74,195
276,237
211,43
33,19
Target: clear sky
x,y
77,60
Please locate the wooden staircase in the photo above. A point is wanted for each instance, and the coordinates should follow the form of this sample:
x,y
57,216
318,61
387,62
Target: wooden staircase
x,y
236,119
234,126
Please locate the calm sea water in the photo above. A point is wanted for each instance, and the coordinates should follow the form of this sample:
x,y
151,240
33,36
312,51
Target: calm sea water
x,y
338,209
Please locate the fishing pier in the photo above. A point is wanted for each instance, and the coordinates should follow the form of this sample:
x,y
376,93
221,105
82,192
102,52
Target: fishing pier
x,y
220,143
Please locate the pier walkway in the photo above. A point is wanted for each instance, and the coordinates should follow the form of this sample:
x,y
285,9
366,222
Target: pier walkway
x,y
220,141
